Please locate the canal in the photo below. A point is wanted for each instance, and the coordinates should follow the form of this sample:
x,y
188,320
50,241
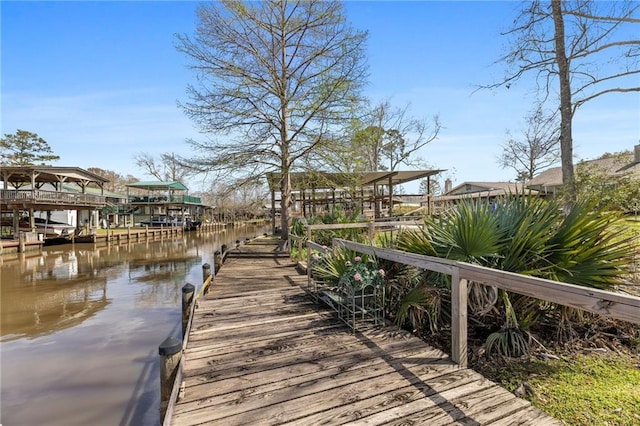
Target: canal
x,y
80,327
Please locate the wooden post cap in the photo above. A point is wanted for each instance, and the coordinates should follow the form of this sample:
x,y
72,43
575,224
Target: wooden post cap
x,y
206,266
188,288
170,346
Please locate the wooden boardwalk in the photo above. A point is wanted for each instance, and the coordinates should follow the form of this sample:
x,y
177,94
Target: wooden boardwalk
x,y
261,352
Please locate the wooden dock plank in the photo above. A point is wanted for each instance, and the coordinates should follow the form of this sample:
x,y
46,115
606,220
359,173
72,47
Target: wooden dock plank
x,y
261,352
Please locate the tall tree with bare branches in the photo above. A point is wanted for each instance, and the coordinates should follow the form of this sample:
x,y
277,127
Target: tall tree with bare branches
x,y
578,50
166,167
536,148
389,136
274,79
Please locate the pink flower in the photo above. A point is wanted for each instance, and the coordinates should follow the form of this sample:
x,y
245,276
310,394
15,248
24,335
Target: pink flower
x,y
315,256
357,259
357,277
381,272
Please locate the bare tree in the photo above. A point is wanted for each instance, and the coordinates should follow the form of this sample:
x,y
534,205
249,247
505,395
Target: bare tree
x,y
585,48
117,182
537,148
273,80
167,167
389,137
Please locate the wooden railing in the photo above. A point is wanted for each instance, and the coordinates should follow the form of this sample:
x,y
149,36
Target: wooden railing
x,y
299,241
613,305
38,196
178,199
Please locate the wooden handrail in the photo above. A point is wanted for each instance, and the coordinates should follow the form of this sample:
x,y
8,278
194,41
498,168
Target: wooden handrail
x,y
403,223
613,305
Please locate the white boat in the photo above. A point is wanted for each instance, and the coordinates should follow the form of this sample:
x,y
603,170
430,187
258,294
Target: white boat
x,y
49,228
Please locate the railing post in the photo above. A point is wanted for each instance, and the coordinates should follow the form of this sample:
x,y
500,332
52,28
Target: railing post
x,y
170,352
308,249
458,318
187,299
371,228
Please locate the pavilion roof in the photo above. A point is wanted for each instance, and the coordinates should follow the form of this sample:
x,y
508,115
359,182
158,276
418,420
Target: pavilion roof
x,y
50,174
326,180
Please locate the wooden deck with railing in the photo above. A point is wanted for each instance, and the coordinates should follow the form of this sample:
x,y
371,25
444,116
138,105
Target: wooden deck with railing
x,y
38,197
260,351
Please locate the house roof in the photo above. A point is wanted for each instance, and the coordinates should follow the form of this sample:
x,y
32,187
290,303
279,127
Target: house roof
x,y
159,186
616,165
50,174
325,180
471,187
482,190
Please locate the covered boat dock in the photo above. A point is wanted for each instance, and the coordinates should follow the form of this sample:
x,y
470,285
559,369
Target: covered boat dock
x,y
27,189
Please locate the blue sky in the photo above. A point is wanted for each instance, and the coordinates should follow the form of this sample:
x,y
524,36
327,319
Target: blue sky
x,y
100,81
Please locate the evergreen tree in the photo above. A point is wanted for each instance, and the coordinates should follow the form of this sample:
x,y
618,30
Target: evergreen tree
x,y
25,149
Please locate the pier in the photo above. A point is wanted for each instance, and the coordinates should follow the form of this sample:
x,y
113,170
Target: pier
x,y
261,351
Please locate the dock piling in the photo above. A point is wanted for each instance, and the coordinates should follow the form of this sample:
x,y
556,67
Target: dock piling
x,y
170,351
217,261
206,271
187,299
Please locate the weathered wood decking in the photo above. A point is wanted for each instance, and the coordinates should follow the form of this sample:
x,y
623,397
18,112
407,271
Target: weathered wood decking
x,y
261,352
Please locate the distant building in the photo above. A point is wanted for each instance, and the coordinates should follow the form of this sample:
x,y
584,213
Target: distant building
x,y
550,181
488,191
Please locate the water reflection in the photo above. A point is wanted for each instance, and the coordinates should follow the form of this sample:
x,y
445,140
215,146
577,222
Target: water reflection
x,y
48,293
80,327
67,285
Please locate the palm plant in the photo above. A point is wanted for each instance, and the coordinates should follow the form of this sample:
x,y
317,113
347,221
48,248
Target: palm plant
x,y
526,235
331,267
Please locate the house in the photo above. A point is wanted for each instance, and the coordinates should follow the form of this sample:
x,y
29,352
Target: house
x,y
488,191
550,181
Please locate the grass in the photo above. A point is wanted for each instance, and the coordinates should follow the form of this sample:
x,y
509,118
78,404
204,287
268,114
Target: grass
x,y
593,389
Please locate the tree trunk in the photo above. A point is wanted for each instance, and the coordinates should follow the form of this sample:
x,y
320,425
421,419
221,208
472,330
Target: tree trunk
x,y
285,203
566,138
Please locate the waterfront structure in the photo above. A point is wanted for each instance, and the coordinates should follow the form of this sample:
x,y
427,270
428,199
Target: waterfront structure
x,y
157,203
26,190
370,192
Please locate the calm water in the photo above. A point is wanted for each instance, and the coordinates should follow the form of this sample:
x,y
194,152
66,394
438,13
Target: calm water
x,y
80,327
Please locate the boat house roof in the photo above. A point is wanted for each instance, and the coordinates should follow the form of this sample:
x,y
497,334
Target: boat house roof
x,y
50,174
159,186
